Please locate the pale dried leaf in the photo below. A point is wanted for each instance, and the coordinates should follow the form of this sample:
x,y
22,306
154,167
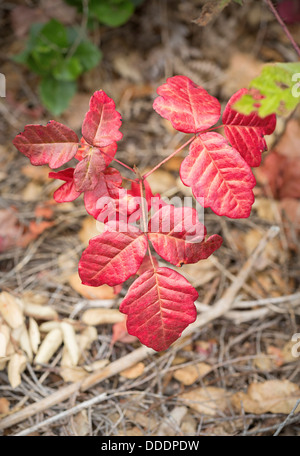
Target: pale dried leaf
x,y
16,366
34,335
134,371
25,343
48,326
3,344
96,365
98,316
81,423
48,347
40,312
174,420
209,401
70,342
274,396
189,374
102,292
72,373
10,308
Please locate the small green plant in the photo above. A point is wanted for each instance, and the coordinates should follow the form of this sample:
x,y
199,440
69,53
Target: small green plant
x,y
108,12
59,56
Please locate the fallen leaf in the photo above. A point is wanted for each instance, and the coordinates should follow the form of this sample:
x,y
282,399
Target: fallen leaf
x,y
99,316
89,229
189,374
102,292
70,342
134,371
4,406
173,421
209,401
274,396
16,366
39,312
10,309
72,373
81,423
48,347
120,333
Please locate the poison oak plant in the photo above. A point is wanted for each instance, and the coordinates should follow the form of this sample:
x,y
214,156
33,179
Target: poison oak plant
x,y
160,302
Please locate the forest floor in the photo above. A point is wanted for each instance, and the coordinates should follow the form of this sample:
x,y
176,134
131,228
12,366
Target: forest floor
x,y
237,371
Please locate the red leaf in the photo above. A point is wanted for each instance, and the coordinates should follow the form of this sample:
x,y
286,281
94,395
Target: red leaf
x,y
113,256
102,122
86,174
53,144
159,305
188,107
107,152
67,191
108,187
219,175
147,264
177,236
246,133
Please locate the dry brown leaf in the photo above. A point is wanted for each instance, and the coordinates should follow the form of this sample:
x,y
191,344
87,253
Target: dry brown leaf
x,y
134,371
289,144
88,230
263,363
120,333
189,374
81,423
102,292
16,366
99,316
209,401
10,229
4,406
241,70
73,373
96,365
10,309
168,426
48,347
274,396
161,181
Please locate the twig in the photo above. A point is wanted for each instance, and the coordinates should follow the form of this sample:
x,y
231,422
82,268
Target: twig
x,y
287,420
59,416
285,29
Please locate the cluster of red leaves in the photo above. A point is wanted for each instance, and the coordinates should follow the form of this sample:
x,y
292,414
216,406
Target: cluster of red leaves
x,y
160,302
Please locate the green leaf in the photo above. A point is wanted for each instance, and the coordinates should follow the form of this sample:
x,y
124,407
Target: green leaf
x,y
279,84
88,55
54,33
68,69
113,12
56,95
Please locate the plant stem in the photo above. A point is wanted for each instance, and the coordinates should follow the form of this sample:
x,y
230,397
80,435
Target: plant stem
x,y
120,163
144,218
168,158
285,29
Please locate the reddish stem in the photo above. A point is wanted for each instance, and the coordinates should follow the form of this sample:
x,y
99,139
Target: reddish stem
x,y
168,158
285,29
144,220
